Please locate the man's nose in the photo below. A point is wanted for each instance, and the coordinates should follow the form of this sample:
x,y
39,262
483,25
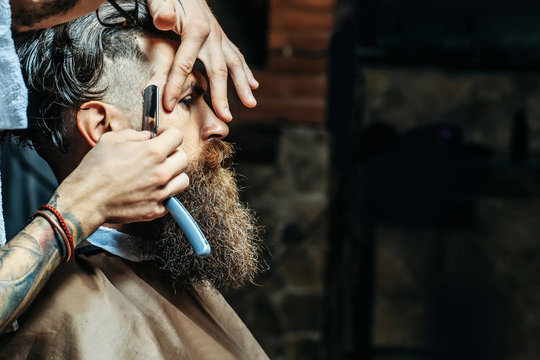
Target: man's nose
x,y
213,127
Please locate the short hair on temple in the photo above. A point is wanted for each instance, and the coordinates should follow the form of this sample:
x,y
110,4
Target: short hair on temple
x,y
79,61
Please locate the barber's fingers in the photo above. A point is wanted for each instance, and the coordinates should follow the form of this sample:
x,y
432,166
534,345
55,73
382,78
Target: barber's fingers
x,y
156,209
188,51
213,58
240,73
253,83
194,31
203,38
164,13
166,142
177,185
228,44
170,15
175,165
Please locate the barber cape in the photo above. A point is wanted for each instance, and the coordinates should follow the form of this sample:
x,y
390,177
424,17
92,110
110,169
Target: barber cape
x,y
100,306
13,94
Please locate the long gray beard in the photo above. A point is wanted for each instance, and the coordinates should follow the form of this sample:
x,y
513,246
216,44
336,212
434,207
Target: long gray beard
x,y
229,226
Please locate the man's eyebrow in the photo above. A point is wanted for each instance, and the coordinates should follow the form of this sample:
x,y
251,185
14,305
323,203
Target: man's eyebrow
x,y
196,88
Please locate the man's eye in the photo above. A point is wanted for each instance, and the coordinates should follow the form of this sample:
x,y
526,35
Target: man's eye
x,y
187,101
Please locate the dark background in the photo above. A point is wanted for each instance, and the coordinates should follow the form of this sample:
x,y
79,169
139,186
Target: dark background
x,y
403,223
394,160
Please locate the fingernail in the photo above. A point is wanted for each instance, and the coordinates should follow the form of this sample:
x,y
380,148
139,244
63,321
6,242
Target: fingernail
x,y
170,104
255,83
227,113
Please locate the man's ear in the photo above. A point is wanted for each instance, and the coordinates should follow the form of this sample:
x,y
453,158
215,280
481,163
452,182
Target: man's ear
x,y
95,118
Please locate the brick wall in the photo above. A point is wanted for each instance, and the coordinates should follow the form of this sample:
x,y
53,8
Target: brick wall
x,y
284,161
293,83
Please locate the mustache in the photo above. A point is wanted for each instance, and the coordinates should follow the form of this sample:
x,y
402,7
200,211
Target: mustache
x,y
215,154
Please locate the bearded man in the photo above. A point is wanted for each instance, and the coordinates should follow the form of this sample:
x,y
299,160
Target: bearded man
x,y
134,291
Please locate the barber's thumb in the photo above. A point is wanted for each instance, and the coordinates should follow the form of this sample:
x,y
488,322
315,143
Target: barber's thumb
x,y
165,21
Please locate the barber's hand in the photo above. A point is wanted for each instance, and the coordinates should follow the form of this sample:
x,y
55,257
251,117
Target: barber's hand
x,y
125,178
203,38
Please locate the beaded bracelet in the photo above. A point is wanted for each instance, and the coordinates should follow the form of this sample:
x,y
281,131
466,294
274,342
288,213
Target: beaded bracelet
x,y
58,229
64,228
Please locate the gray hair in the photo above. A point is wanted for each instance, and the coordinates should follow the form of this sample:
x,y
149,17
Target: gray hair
x,y
79,61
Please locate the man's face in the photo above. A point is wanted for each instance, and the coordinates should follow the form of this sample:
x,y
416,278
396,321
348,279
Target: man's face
x,y
192,115
212,197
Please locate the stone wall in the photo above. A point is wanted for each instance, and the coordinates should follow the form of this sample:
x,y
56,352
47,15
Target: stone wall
x,y
290,197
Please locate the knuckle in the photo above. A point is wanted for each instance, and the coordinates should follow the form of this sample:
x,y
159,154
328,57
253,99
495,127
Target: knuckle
x,y
220,70
160,176
231,44
237,62
162,194
153,153
185,67
215,33
158,210
200,28
219,96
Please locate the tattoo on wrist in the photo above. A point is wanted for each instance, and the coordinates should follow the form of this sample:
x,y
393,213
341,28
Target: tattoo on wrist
x,y
72,222
75,227
54,200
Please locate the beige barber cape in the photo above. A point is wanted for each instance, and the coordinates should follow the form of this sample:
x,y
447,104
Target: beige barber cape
x,y
103,307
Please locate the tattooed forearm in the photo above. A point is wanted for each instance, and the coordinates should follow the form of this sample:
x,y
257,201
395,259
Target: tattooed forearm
x,y
26,263
30,258
75,228
54,200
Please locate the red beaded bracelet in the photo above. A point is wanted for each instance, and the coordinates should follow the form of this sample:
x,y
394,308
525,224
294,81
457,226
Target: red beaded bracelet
x,y
64,227
58,229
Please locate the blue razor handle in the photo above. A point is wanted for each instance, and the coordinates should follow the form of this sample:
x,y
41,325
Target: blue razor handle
x,y
150,122
189,226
